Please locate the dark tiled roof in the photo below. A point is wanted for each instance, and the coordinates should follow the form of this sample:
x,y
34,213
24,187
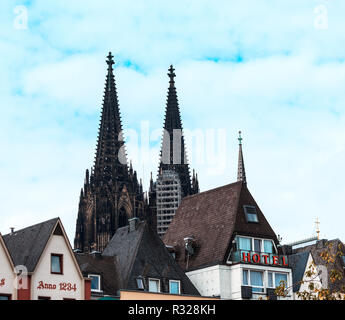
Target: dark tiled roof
x,y
332,247
124,245
298,263
142,253
106,267
26,245
213,218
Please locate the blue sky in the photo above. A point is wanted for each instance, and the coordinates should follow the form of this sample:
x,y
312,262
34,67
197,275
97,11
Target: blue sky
x,y
272,69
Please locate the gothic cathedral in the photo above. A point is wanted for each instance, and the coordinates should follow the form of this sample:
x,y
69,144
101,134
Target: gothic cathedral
x,y
112,193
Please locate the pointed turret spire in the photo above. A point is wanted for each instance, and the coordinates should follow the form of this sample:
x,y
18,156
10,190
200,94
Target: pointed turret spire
x,y
151,182
173,153
241,172
110,160
130,168
100,212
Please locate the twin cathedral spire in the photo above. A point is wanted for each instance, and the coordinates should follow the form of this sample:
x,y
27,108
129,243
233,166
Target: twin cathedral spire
x,y
112,194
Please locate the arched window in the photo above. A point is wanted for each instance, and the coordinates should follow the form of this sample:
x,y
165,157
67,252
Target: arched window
x,y
123,220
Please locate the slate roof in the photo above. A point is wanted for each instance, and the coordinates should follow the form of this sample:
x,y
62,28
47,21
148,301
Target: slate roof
x,y
332,247
214,218
298,264
106,267
124,246
26,245
142,253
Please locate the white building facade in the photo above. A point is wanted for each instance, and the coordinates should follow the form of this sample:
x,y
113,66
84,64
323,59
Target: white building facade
x,y
38,263
247,274
7,276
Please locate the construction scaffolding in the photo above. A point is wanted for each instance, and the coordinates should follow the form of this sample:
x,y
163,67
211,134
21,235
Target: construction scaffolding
x,y
168,199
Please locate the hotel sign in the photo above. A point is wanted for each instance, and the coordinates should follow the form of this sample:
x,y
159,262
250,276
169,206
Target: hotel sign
x,y
263,258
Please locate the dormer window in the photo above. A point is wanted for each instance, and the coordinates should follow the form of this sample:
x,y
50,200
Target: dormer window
x,y
174,287
95,282
140,283
251,215
254,244
257,245
154,285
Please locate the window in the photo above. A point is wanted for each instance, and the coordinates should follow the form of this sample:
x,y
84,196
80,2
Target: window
x,y
140,283
154,285
280,277
245,243
174,287
5,297
268,246
270,280
255,279
56,264
245,278
95,282
257,245
274,279
251,214
43,298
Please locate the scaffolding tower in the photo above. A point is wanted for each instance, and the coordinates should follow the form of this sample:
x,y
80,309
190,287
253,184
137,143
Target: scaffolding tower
x,y
169,197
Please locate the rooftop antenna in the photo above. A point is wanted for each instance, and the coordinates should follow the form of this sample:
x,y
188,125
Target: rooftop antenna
x,y
317,223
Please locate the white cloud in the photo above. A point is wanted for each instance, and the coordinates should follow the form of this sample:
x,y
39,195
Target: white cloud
x,y
287,96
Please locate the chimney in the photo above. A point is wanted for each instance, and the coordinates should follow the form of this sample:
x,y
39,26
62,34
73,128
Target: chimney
x,y
320,244
286,250
96,254
12,230
133,224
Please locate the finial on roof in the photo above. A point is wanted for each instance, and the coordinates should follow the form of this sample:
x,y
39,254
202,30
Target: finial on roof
x,y
239,137
171,75
110,60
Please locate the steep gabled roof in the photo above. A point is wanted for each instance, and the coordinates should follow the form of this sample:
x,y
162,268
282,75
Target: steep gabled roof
x,y
106,267
142,253
124,245
213,218
26,245
335,249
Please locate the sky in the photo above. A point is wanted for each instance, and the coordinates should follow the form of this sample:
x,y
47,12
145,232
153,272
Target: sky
x,y
273,69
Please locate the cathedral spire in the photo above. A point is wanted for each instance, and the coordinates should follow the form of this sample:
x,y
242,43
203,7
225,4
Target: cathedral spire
x,y
173,153
241,172
110,160
111,193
